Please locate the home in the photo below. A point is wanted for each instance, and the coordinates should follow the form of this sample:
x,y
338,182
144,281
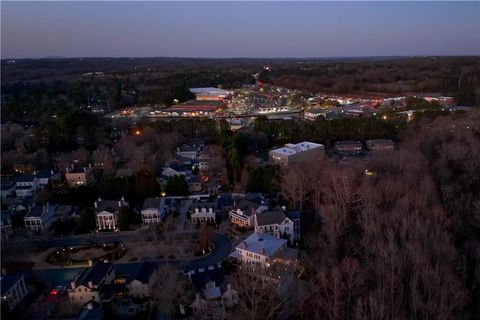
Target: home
x,y
134,279
89,283
45,176
275,223
258,250
190,149
350,146
203,212
380,145
154,210
79,176
106,213
195,184
242,213
296,153
8,188
13,290
26,185
212,297
6,225
64,212
39,218
203,160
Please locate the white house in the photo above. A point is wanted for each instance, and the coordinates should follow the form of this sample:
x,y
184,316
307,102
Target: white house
x,y
203,212
258,250
88,285
275,223
190,149
154,210
39,218
106,213
79,176
242,213
26,185
13,289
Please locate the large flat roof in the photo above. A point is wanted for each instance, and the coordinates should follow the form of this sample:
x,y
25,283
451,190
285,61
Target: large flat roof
x,y
290,148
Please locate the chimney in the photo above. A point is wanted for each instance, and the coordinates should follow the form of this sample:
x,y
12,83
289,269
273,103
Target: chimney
x,y
90,165
95,204
90,284
243,245
284,208
51,172
119,203
90,306
67,169
85,169
72,285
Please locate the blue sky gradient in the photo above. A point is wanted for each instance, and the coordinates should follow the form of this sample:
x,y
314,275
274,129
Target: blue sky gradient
x,y
239,29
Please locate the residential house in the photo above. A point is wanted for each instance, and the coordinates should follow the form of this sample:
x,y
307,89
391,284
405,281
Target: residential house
x,y
243,211
155,209
39,218
79,176
295,217
13,290
134,279
106,213
88,285
349,146
64,212
212,298
45,176
195,184
190,149
258,250
203,212
26,185
296,153
6,225
275,223
8,188
380,145
203,160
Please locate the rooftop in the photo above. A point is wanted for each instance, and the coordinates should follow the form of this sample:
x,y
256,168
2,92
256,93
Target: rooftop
x,y
152,203
263,244
38,211
111,206
95,274
141,271
291,149
25,178
275,216
206,204
8,281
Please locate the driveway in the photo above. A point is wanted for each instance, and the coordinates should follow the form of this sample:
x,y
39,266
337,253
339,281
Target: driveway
x,y
223,247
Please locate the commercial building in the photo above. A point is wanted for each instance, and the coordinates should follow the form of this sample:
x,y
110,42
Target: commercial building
x,y
210,93
296,153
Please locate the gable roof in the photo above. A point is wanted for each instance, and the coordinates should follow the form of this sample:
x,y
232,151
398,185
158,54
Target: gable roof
x,y
152,203
107,205
141,271
275,216
200,279
8,281
206,204
25,178
95,274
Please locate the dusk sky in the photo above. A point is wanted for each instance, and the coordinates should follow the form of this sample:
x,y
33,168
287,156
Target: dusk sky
x,y
236,29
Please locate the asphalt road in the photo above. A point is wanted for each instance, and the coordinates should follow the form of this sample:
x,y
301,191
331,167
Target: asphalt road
x,y
223,247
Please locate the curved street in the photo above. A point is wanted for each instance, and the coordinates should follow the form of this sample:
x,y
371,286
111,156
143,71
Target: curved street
x,y
223,247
